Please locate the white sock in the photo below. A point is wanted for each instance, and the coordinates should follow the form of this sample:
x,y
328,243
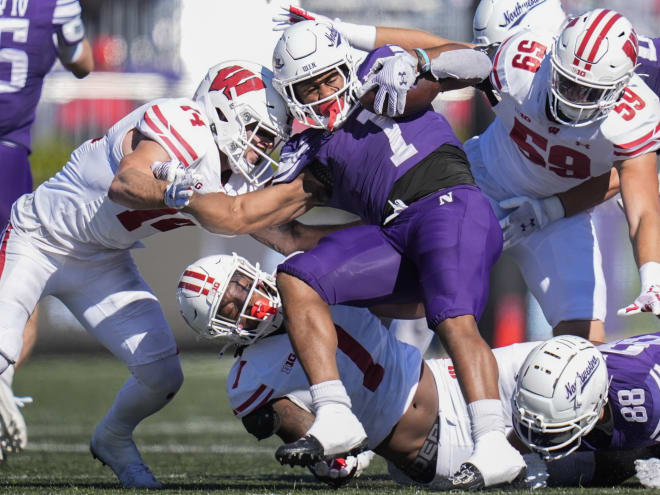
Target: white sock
x,y
486,415
146,392
330,392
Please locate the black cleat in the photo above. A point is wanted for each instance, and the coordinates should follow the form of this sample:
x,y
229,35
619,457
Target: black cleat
x,y
469,478
307,451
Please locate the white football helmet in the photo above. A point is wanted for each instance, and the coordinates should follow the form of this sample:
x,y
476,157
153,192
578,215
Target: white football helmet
x,y
238,96
560,392
593,60
305,50
204,284
496,20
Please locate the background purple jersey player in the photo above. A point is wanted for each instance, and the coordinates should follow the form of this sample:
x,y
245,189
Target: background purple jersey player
x,y
649,65
409,181
32,35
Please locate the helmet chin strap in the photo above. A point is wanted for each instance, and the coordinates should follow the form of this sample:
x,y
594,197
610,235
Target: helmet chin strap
x,y
331,109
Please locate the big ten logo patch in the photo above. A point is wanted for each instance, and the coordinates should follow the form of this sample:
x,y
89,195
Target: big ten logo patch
x,y
288,364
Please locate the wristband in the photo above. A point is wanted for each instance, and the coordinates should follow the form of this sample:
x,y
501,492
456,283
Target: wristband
x,y
423,59
554,208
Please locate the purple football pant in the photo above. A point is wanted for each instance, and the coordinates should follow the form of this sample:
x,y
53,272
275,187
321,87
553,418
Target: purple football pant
x,y
441,248
15,178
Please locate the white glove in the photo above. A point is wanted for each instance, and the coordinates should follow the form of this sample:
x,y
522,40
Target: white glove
x,y
340,471
393,76
180,190
648,300
648,472
530,215
360,36
293,15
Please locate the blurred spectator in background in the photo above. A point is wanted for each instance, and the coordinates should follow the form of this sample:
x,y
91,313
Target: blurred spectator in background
x,y
32,36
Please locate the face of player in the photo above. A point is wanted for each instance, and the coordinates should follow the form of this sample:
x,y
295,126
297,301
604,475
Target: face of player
x,y
262,139
319,87
232,305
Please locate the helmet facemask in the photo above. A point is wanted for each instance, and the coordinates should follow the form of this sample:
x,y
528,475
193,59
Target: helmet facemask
x,y
329,112
239,100
578,103
206,295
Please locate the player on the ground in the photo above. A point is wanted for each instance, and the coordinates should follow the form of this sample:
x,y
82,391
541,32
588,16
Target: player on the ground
x,y
413,411
226,299
570,396
409,180
35,35
168,164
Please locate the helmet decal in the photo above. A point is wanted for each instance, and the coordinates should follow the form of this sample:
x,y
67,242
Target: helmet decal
x,y
235,80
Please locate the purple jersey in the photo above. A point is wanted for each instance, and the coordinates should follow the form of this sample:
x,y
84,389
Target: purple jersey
x,y
27,53
368,153
633,365
649,67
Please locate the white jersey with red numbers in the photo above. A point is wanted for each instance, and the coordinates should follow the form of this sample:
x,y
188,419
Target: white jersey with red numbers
x,y
526,152
72,214
380,373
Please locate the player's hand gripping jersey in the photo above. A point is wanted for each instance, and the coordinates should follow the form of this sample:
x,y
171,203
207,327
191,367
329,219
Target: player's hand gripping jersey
x,y
527,153
368,153
72,214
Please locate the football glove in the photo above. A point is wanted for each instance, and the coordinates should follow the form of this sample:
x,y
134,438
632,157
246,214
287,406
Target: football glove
x,y
360,36
648,472
529,215
393,76
338,472
293,15
180,190
648,300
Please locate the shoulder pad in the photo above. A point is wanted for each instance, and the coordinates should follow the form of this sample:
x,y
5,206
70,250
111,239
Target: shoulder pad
x,y
179,126
517,60
633,125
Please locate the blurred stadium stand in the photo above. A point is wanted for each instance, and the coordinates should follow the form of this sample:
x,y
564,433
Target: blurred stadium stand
x,y
145,49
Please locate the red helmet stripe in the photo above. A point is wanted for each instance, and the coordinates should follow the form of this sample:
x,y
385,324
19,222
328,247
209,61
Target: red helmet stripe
x,y
193,287
599,39
199,276
590,31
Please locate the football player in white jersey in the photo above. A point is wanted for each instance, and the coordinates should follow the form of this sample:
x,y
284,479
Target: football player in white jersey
x,y
571,109
168,164
413,411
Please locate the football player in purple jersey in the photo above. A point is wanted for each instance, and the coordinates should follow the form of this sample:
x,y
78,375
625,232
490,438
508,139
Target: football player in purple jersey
x,y
32,36
410,182
571,396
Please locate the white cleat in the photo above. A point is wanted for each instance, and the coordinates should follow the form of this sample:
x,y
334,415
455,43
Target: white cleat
x,y
336,432
122,456
13,430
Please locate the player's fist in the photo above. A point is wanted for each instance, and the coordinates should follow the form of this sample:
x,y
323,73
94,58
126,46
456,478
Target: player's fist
x,y
182,181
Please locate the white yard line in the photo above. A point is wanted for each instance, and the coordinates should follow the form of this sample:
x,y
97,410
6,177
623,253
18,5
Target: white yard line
x,y
201,426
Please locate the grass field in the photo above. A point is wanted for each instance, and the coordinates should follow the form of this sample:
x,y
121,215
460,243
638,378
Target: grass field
x,y
194,445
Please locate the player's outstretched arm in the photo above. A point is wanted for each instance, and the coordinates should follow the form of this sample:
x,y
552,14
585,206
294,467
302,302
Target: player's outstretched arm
x,y
73,49
639,191
254,211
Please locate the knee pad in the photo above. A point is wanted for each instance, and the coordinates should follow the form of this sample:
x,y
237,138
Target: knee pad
x,y
263,422
162,376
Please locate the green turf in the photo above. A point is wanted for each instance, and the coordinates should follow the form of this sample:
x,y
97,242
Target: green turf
x,y
195,445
